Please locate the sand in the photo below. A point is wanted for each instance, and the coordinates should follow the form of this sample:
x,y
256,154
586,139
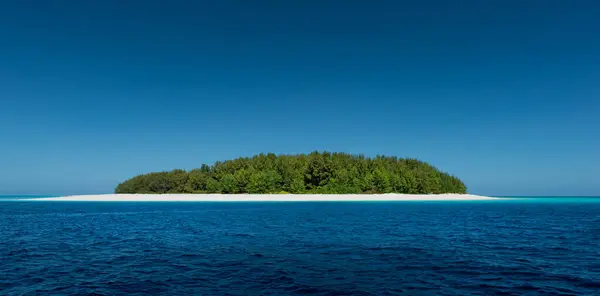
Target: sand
x,y
265,197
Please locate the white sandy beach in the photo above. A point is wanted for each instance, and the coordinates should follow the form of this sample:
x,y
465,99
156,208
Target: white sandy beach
x,y
266,197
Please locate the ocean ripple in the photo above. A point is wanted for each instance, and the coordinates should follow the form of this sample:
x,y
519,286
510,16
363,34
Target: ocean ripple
x,y
299,249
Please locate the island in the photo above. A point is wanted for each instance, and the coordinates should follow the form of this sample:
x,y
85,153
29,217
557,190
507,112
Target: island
x,y
317,176
313,173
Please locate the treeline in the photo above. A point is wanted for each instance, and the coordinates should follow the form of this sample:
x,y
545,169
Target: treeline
x,y
317,172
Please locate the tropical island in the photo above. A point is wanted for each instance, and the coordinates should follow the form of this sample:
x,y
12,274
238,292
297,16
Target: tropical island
x,y
317,176
313,173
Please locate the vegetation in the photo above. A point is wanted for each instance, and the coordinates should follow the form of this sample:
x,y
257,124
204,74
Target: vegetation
x,y
317,172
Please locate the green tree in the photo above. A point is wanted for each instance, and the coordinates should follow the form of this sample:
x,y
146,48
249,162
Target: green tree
x,y
381,181
405,182
317,172
213,186
258,183
196,182
242,179
178,180
229,184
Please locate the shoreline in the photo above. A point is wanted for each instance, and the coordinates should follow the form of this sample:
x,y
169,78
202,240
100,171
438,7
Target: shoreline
x,y
264,197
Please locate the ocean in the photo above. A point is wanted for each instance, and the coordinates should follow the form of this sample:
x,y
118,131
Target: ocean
x,y
529,246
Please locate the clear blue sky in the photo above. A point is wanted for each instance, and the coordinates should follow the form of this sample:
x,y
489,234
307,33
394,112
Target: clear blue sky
x,y
503,94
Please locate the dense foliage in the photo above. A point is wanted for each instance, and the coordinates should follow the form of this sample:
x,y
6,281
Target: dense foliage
x,y
317,172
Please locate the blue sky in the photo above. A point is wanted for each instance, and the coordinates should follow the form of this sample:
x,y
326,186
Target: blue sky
x,y
503,94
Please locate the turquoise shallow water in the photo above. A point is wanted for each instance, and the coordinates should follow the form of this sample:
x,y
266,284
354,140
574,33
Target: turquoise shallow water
x,y
525,246
535,199
11,197
553,199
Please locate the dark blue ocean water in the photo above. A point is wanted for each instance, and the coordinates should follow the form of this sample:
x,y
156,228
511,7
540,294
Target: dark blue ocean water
x,y
547,247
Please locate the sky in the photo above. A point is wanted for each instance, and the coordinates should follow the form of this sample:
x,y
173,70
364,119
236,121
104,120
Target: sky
x,y
503,94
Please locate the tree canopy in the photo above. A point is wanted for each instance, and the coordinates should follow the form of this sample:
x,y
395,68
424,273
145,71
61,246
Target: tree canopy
x,y
317,172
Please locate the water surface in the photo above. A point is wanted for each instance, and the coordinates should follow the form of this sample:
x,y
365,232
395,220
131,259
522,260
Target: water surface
x,y
523,247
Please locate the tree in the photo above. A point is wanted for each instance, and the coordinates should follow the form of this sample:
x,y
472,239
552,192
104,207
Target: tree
x,y
317,172
405,182
258,183
228,184
213,186
381,181
177,180
196,182
242,179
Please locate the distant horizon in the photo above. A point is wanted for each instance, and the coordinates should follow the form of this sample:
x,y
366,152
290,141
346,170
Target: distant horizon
x,y
502,94
101,193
